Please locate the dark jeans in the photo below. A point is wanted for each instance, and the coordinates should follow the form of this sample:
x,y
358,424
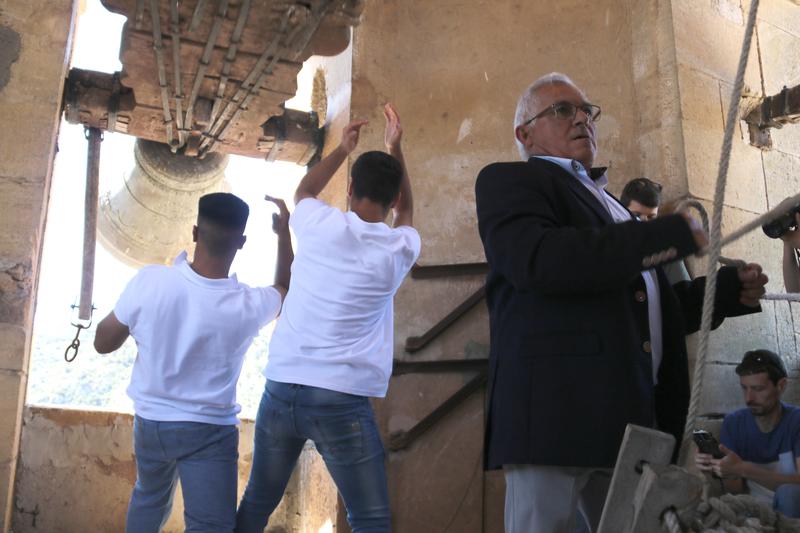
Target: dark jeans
x,y
342,426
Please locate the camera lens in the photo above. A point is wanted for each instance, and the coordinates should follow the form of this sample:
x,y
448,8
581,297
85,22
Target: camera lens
x,y
778,227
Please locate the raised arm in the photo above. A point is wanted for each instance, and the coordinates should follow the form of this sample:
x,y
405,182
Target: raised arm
x,y
403,210
283,266
320,174
110,334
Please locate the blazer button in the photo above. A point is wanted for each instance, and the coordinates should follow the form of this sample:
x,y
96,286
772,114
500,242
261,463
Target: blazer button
x,y
640,296
646,346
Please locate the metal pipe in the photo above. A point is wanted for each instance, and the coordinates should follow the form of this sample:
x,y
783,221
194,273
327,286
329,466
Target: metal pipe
x,y
95,137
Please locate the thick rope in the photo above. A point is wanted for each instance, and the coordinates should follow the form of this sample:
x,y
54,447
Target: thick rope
x,y
730,513
716,227
787,297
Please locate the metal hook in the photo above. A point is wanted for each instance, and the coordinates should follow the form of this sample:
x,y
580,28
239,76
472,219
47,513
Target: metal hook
x,y
76,343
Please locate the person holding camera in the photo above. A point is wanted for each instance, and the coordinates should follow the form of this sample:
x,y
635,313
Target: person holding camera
x,y
760,450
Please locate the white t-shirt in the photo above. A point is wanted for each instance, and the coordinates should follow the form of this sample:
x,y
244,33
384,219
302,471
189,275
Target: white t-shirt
x,y
191,333
336,327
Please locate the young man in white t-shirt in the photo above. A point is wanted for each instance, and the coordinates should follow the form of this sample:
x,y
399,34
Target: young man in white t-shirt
x,y
192,324
332,348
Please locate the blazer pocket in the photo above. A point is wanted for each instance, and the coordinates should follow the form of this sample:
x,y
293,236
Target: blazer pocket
x,y
572,343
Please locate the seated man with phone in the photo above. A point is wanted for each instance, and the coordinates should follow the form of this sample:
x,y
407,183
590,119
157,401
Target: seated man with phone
x,y
760,450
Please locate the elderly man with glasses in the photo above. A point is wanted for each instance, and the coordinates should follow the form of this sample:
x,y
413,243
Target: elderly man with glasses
x,y
760,450
587,335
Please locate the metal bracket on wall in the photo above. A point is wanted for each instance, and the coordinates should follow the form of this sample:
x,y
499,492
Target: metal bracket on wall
x,y
441,271
416,343
402,439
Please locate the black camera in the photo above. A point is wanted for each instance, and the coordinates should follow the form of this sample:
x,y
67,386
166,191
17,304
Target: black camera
x,y
778,227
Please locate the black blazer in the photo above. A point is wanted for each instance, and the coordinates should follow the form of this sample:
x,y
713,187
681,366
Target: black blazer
x,y
570,361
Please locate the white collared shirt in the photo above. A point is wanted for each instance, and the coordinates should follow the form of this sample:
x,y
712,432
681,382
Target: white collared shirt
x,y
620,214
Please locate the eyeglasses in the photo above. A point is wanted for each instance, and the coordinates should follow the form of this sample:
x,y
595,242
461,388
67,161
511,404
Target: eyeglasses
x,y
567,111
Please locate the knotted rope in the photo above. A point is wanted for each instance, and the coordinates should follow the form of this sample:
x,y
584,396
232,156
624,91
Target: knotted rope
x,y
730,513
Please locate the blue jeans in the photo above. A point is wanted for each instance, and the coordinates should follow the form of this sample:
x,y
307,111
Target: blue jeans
x,y
343,429
203,456
787,500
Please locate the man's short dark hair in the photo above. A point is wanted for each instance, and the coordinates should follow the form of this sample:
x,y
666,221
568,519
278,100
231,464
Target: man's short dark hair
x,y
377,176
759,361
221,219
645,191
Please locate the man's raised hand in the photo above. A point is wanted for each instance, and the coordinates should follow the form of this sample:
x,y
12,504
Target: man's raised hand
x,y
394,130
350,135
753,281
280,220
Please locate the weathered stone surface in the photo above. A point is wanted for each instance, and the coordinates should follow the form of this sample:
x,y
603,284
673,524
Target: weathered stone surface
x,y
720,386
782,175
12,344
77,471
745,182
438,297
783,15
29,107
700,99
780,69
9,53
711,42
12,392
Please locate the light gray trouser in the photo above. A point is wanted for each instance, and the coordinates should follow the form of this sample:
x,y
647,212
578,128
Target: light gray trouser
x,y
544,498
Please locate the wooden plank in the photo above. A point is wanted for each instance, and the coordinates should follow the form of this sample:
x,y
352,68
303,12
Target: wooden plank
x,y
640,445
661,488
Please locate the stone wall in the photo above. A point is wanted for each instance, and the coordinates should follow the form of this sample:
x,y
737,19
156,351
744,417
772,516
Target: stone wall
x,y
77,471
34,51
708,41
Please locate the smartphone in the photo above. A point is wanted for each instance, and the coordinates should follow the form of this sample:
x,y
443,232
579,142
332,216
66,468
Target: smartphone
x,y
706,443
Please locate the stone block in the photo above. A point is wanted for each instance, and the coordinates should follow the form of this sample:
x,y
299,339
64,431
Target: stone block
x,y
787,341
745,180
12,394
18,143
737,335
707,39
779,52
700,98
7,470
786,139
13,348
721,392
784,15
782,173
